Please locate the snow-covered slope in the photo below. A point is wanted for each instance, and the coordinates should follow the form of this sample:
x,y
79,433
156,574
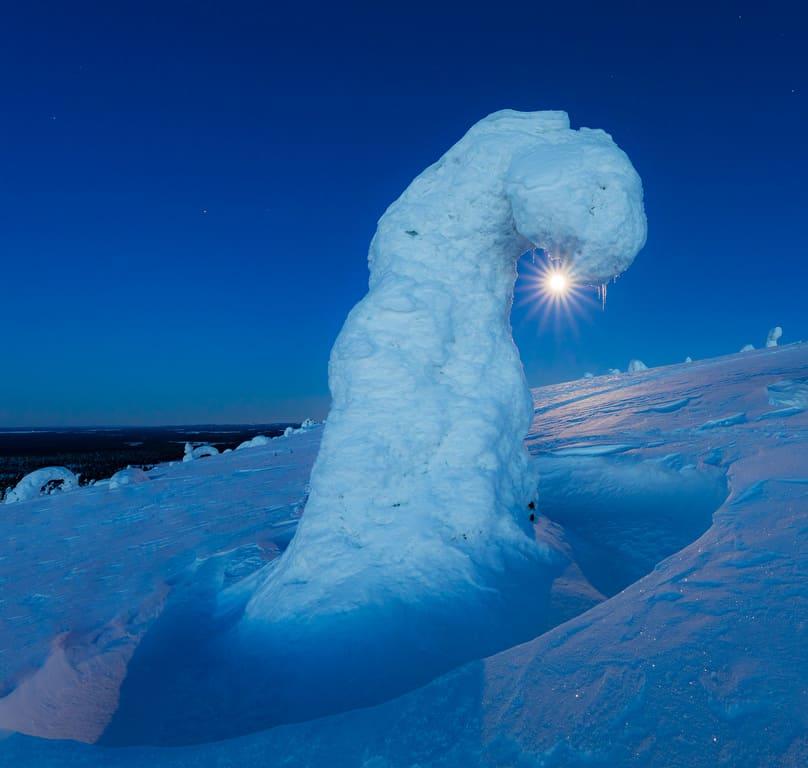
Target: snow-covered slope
x,y
673,504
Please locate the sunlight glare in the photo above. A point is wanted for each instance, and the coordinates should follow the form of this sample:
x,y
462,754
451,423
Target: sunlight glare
x,y
557,282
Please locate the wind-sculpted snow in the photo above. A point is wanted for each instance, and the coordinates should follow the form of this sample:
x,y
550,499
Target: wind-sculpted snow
x,y
696,537
415,544
84,581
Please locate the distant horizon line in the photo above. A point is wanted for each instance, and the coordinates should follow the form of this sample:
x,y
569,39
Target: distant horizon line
x,y
101,427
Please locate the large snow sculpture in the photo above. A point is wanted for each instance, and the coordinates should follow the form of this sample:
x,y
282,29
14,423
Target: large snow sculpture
x,y
418,513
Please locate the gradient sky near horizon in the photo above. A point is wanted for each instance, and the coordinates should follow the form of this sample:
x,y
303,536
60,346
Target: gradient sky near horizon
x,y
188,189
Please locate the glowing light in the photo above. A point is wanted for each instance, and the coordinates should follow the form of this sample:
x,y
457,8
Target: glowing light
x,y
558,283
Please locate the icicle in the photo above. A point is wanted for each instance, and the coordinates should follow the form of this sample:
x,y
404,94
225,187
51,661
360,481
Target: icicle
x,y
602,294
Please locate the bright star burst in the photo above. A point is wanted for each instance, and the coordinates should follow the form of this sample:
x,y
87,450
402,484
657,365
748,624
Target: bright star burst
x,y
557,282
549,287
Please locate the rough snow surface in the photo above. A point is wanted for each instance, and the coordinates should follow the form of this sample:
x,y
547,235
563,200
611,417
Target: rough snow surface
x,y
676,603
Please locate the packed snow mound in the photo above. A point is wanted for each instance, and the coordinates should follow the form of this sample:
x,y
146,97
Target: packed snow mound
x,y
695,661
774,336
748,348
128,476
261,440
688,359
42,482
199,452
634,366
614,371
589,375
418,509
256,442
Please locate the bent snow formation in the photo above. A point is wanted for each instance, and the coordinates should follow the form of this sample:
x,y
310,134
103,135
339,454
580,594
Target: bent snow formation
x,y
416,534
676,597
42,482
415,552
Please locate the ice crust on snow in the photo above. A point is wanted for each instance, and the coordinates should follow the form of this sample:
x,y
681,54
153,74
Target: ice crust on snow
x,y
418,509
42,482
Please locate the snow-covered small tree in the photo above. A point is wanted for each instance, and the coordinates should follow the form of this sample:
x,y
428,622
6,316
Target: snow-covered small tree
x,y
42,482
774,336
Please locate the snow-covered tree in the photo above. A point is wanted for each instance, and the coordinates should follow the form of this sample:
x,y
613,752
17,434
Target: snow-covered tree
x,y
636,365
418,511
774,336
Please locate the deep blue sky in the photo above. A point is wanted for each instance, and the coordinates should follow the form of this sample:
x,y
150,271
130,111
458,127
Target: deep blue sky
x,y
188,190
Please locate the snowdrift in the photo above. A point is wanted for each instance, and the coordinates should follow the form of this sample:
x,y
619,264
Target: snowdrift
x,y
676,602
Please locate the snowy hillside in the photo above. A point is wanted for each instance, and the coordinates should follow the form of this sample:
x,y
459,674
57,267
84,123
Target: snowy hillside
x,y
672,513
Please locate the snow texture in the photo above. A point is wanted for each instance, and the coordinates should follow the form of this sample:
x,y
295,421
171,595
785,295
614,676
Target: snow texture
x,y
418,510
42,482
773,336
676,611
634,366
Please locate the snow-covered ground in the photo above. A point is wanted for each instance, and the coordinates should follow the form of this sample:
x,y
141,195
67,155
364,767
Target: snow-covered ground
x,y
673,510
